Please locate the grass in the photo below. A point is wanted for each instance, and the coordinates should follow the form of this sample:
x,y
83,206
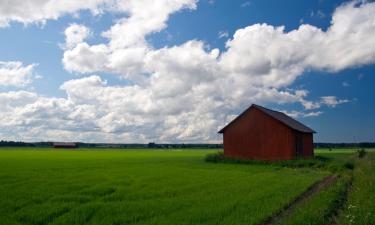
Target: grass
x,y
44,186
360,208
322,207
333,163
349,201
141,187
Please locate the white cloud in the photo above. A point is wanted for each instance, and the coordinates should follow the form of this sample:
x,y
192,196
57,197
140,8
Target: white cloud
x,y
273,57
75,34
12,99
86,59
299,114
332,101
14,73
145,17
127,47
187,92
39,11
258,63
310,104
245,4
94,110
223,34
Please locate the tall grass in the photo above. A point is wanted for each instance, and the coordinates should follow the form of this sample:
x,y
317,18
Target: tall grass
x,y
322,207
360,208
141,187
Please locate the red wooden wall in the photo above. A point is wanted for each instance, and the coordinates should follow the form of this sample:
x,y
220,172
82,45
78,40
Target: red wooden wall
x,y
257,135
308,146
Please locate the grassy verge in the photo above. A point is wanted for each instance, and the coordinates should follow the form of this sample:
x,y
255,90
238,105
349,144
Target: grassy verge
x,y
320,209
360,207
322,162
350,201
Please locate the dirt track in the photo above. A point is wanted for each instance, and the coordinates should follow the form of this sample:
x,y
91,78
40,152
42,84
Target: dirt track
x,y
315,188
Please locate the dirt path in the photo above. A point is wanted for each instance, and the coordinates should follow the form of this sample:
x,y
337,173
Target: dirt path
x,y
315,188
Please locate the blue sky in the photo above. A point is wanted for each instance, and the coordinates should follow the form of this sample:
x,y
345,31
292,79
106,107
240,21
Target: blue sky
x,y
186,74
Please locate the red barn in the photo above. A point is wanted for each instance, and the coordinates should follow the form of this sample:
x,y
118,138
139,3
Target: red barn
x,y
64,145
264,134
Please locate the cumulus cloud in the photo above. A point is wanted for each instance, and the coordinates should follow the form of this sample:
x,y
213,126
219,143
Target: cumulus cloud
x,y
301,114
75,34
39,11
12,99
127,46
332,101
145,17
259,62
29,116
187,92
14,73
273,57
265,54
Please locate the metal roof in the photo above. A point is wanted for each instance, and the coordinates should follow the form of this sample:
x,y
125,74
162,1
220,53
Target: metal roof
x,y
283,118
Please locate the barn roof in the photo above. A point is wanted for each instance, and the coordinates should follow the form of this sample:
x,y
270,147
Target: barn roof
x,y
283,118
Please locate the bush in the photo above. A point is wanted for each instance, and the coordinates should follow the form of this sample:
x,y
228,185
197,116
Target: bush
x,y
361,153
349,165
215,157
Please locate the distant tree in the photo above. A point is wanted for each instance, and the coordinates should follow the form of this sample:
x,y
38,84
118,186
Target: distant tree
x,y
361,153
151,145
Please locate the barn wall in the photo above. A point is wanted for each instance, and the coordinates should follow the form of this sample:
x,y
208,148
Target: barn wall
x,y
259,136
308,146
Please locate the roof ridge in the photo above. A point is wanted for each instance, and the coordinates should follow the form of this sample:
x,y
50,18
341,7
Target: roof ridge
x,y
268,109
280,116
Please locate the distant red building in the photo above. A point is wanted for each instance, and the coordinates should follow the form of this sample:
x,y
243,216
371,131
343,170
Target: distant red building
x,y
263,134
64,145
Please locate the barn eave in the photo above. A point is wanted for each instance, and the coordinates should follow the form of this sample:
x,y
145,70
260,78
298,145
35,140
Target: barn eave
x,y
279,116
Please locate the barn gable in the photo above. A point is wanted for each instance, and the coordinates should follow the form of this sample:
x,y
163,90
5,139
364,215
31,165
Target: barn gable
x,y
281,117
264,134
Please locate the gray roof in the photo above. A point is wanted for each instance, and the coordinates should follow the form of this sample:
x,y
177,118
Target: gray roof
x,y
283,118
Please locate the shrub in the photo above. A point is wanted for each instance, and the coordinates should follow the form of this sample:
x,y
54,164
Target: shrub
x,y
361,153
215,157
349,165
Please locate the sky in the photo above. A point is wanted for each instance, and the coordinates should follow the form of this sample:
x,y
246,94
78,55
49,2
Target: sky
x,y
177,71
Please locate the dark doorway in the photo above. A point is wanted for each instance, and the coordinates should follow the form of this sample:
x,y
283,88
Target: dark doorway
x,y
299,144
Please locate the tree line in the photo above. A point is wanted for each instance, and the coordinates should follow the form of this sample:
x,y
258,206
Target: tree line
x,y
154,145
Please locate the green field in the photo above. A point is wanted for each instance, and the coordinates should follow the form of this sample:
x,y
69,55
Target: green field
x,y
154,187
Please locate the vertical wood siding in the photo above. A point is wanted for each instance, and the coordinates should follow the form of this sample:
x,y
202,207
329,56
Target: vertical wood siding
x,y
257,135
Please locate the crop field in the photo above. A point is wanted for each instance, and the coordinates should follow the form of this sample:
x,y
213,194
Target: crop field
x,y
46,186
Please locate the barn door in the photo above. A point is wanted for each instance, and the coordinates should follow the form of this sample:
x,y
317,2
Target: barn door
x,y
299,144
